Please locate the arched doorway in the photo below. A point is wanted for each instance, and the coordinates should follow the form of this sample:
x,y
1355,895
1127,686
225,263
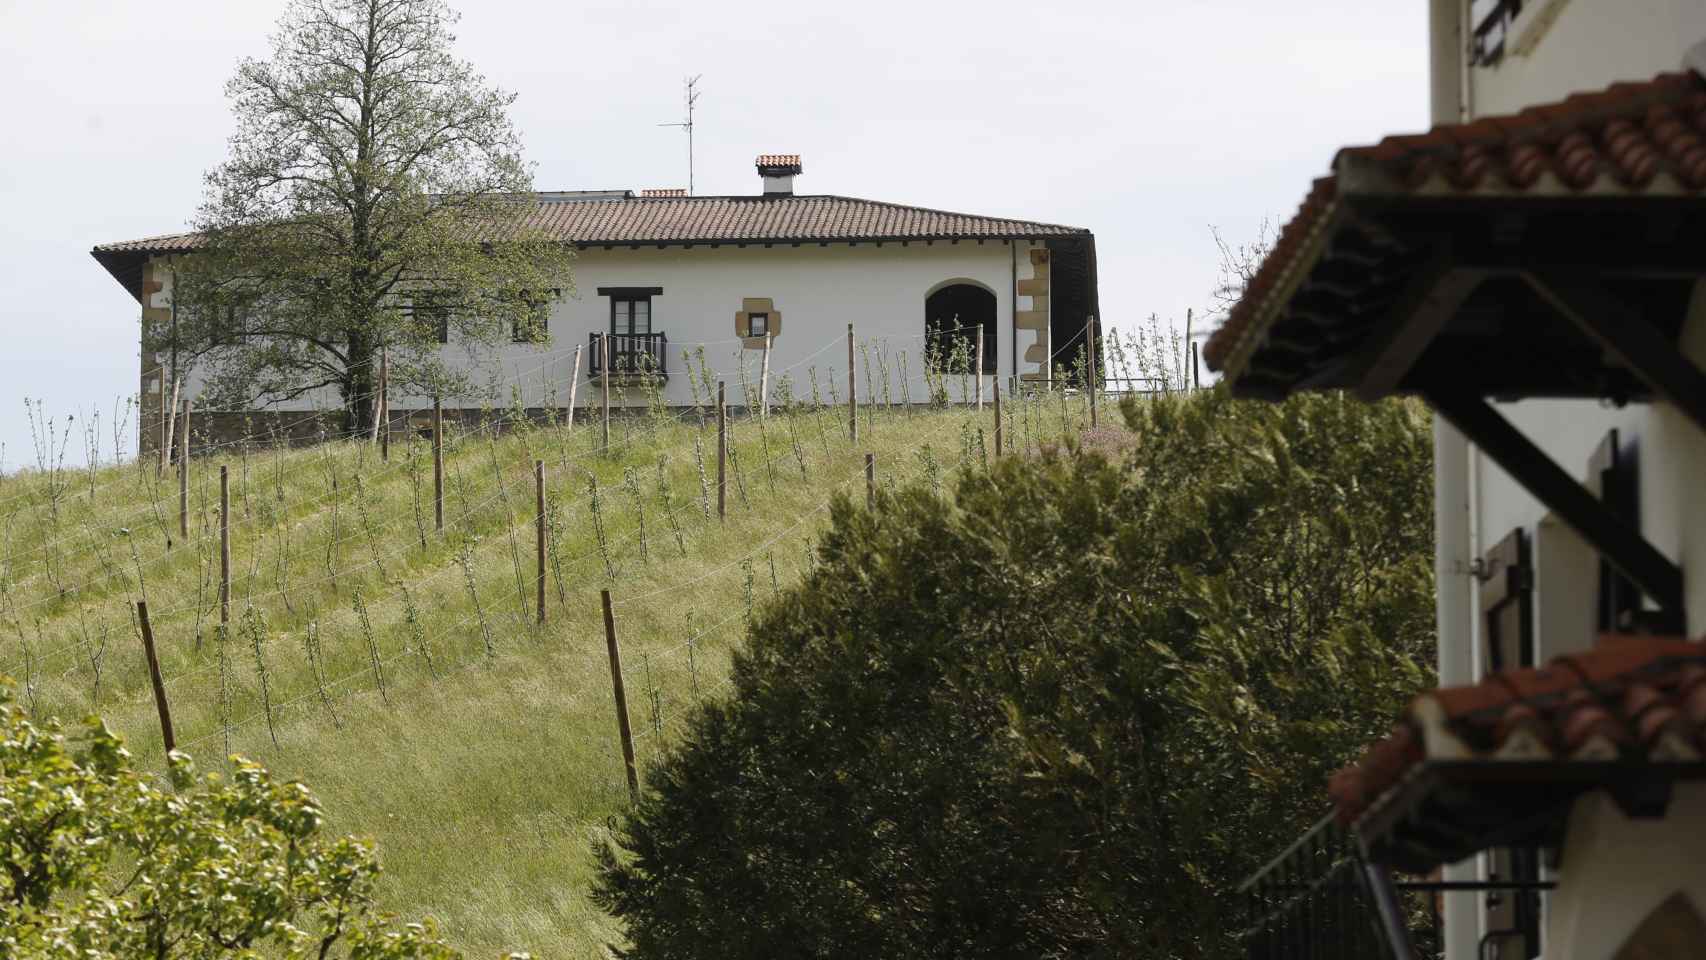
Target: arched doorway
x,y
953,312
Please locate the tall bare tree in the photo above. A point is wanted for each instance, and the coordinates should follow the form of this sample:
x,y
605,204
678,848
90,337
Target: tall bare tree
x,y
374,197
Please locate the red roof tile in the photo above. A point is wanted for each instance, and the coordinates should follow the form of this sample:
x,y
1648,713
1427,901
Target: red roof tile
x,y
1631,139
664,192
779,160
746,219
1640,699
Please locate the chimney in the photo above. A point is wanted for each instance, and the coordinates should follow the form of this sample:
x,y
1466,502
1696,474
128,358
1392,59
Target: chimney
x,y
778,171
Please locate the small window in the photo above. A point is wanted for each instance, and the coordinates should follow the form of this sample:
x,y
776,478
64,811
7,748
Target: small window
x,y
1489,22
533,328
430,311
758,324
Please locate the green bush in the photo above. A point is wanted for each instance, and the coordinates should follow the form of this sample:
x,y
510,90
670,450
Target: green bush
x,y
98,861
1061,715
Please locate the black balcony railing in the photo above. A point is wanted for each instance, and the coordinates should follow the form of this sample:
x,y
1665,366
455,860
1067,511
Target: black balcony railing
x,y
631,354
1315,901
1320,900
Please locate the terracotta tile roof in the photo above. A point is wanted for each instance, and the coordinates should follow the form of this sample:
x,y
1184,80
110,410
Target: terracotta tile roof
x,y
664,192
746,219
779,160
1631,699
165,243
1631,139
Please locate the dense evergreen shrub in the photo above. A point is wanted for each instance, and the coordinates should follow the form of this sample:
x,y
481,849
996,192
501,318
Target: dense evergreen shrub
x,y
1061,712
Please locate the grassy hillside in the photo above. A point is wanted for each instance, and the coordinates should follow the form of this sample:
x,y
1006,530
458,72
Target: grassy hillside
x,y
399,670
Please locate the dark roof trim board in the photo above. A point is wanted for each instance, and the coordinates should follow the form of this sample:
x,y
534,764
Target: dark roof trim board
x,y
587,221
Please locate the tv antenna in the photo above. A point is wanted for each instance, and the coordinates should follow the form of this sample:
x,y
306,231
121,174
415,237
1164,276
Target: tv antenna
x,y
692,98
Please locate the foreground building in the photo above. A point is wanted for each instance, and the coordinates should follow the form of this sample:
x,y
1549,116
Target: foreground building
x,y
661,272
1533,268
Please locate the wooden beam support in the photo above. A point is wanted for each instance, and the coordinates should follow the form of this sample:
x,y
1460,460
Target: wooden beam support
x,y
1528,465
1429,300
1629,337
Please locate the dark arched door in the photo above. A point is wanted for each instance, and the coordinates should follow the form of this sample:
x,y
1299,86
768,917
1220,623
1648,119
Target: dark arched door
x,y
952,316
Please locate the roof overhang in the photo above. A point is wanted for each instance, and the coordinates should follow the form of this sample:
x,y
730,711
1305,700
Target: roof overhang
x,y
1464,258
1500,763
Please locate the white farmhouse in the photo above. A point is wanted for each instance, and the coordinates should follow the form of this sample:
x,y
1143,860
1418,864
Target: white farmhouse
x,y
1535,268
665,274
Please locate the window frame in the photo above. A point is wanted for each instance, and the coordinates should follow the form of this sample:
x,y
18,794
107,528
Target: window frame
x,y
752,324
539,317
631,295
435,304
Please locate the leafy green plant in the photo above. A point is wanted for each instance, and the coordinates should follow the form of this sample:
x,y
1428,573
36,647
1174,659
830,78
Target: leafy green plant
x,y
255,627
371,641
100,862
317,665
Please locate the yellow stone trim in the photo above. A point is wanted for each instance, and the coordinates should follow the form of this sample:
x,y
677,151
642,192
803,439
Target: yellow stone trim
x,y
743,327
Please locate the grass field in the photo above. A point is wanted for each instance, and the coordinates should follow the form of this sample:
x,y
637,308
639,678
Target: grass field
x,y
399,670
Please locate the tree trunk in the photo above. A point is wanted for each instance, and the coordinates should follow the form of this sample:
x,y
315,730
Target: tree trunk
x,y
361,379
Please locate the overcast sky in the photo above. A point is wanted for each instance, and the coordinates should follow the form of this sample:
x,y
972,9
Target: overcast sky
x,y
1148,122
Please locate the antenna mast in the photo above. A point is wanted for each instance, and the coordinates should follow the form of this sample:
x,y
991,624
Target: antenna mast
x,y
692,97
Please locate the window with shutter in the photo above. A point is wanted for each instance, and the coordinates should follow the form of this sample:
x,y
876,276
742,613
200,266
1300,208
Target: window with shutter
x,y
1507,616
1611,477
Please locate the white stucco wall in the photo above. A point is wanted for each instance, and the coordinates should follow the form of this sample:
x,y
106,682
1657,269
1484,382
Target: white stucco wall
x,y
818,290
1616,871
1584,45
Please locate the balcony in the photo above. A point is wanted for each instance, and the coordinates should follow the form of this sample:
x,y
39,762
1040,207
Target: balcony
x,y
631,355
1320,900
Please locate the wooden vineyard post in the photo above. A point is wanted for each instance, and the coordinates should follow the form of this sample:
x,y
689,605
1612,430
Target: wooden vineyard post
x,y
184,473
154,677
621,697
604,365
539,530
722,451
1091,370
995,383
384,404
574,384
764,382
160,467
870,480
852,391
438,463
224,545
171,417
979,370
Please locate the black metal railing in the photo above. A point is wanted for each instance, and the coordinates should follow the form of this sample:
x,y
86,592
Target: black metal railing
x,y
1319,900
631,354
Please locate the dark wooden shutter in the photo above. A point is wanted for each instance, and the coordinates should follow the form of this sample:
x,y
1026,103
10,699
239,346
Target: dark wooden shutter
x,y
1507,615
1611,477
1507,610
